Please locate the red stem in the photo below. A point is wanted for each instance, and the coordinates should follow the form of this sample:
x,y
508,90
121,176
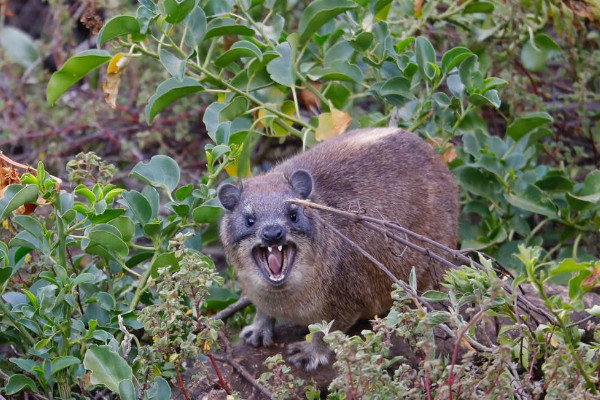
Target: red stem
x,y
222,382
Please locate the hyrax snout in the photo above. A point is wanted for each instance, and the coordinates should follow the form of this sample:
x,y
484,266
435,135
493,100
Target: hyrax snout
x,y
292,267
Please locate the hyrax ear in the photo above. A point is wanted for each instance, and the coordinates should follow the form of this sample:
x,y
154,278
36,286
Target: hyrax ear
x,y
302,183
229,195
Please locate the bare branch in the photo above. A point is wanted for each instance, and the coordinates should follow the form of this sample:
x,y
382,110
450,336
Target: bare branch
x,y
232,309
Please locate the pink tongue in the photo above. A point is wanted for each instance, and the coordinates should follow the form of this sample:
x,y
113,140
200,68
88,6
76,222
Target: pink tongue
x,y
274,264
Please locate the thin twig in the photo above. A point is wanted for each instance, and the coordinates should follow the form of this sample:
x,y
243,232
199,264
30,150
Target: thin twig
x,y
457,254
418,300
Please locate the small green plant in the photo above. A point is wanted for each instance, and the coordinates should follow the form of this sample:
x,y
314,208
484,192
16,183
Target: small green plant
x,y
500,361
72,279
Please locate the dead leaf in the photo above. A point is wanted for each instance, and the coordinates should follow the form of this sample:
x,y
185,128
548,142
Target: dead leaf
x,y
448,152
113,78
332,124
310,101
418,8
9,175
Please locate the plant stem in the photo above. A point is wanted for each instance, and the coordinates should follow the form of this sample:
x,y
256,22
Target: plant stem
x,y
142,282
561,324
250,97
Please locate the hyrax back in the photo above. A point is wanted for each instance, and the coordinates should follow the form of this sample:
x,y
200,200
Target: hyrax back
x,y
292,267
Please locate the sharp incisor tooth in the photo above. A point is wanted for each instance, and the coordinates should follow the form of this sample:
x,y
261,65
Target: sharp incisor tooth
x,y
279,248
270,249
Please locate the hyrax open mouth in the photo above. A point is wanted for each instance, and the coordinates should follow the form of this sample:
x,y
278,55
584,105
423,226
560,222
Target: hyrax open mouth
x,y
275,261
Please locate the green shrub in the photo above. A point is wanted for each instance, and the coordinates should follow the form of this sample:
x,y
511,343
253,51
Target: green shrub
x,y
95,277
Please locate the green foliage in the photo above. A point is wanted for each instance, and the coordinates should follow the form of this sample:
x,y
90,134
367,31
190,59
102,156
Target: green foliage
x,y
474,300
104,260
89,262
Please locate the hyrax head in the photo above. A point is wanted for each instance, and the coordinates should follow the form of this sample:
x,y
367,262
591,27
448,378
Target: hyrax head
x,y
263,234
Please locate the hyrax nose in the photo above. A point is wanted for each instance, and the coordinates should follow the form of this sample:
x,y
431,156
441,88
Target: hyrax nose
x,y
273,234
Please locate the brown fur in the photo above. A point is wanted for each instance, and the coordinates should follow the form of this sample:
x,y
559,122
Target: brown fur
x,y
391,174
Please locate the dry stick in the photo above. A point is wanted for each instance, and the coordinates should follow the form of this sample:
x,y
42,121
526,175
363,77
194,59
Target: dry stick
x,y
418,300
457,254
233,308
242,371
16,164
227,358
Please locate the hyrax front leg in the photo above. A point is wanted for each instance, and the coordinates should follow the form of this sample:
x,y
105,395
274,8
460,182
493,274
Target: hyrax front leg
x,y
260,332
310,355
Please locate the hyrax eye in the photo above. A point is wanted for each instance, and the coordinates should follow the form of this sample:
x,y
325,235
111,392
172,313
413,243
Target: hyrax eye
x,y
294,216
250,221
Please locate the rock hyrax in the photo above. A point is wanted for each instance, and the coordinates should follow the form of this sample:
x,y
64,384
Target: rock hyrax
x,y
293,267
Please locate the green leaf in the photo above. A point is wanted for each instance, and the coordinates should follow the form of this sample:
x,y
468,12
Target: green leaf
x,y
207,213
73,70
107,367
196,24
337,71
453,57
31,225
533,200
477,182
490,97
139,205
527,123
167,92
15,196
25,364
125,226
18,382
226,26
149,4
85,277
60,363
144,17
217,113
281,68
437,317
127,390
104,243
5,274
362,41
568,265
159,390
469,73
164,260
555,184
396,90
219,298
19,46
107,215
174,65
240,49
434,295
177,11
161,172
479,7
118,26
590,192
594,310
318,13
535,53
425,54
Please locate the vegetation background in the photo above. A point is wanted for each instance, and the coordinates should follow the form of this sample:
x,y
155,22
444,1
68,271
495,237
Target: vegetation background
x,y
118,120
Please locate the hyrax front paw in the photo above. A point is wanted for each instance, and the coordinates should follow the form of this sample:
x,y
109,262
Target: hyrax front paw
x,y
309,356
260,333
